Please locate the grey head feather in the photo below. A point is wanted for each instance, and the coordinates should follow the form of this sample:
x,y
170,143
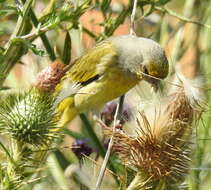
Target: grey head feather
x,y
136,51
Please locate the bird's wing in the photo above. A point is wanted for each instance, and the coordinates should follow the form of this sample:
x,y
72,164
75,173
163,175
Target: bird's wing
x,y
86,69
93,64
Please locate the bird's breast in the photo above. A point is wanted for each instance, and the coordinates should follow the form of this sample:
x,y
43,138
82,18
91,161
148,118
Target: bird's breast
x,y
109,86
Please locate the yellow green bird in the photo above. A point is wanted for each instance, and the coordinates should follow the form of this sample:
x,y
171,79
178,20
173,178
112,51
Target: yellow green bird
x,y
107,71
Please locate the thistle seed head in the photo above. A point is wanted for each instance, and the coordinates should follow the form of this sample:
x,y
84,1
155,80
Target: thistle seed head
x,y
162,148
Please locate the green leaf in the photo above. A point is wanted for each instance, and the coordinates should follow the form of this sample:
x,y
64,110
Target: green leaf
x,y
95,140
5,88
67,49
63,162
161,2
105,5
3,12
1,48
73,134
36,50
57,172
29,45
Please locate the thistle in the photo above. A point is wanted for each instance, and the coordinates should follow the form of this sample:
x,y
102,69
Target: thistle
x,y
108,113
160,152
29,120
28,117
82,148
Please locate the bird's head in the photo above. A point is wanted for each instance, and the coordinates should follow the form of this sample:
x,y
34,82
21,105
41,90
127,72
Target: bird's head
x,y
142,57
153,71
154,64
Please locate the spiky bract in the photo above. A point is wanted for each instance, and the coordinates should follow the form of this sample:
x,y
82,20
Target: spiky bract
x,y
29,117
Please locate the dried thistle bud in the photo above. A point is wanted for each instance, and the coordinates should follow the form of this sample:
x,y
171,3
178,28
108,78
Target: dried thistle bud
x,y
29,117
49,77
161,150
180,107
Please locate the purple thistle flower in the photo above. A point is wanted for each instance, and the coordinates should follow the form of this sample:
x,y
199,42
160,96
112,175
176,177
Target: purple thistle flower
x,y
81,147
108,113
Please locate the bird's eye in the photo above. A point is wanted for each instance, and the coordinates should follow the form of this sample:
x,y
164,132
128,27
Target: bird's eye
x,y
145,70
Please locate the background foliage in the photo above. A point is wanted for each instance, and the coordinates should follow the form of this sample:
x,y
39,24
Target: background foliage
x,y
33,34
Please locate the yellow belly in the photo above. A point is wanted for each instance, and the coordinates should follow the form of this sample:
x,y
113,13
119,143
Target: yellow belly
x,y
112,85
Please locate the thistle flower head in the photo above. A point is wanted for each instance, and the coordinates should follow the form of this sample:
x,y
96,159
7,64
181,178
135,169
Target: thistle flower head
x,y
81,148
28,117
162,148
109,111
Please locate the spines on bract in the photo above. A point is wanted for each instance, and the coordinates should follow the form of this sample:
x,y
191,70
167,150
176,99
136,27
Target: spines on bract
x,y
29,117
162,149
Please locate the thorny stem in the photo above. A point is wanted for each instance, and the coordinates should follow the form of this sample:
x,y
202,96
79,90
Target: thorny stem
x,y
16,156
121,104
132,32
117,113
43,37
182,18
11,54
35,34
45,40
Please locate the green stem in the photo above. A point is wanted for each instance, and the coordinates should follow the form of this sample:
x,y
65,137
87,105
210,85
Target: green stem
x,y
188,10
139,182
92,135
45,40
14,51
96,142
182,18
136,181
91,34
43,37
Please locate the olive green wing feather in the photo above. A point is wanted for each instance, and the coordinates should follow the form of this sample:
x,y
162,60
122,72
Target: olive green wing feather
x,y
93,63
86,69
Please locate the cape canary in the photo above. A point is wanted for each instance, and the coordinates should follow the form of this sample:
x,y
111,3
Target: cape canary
x,y
107,71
